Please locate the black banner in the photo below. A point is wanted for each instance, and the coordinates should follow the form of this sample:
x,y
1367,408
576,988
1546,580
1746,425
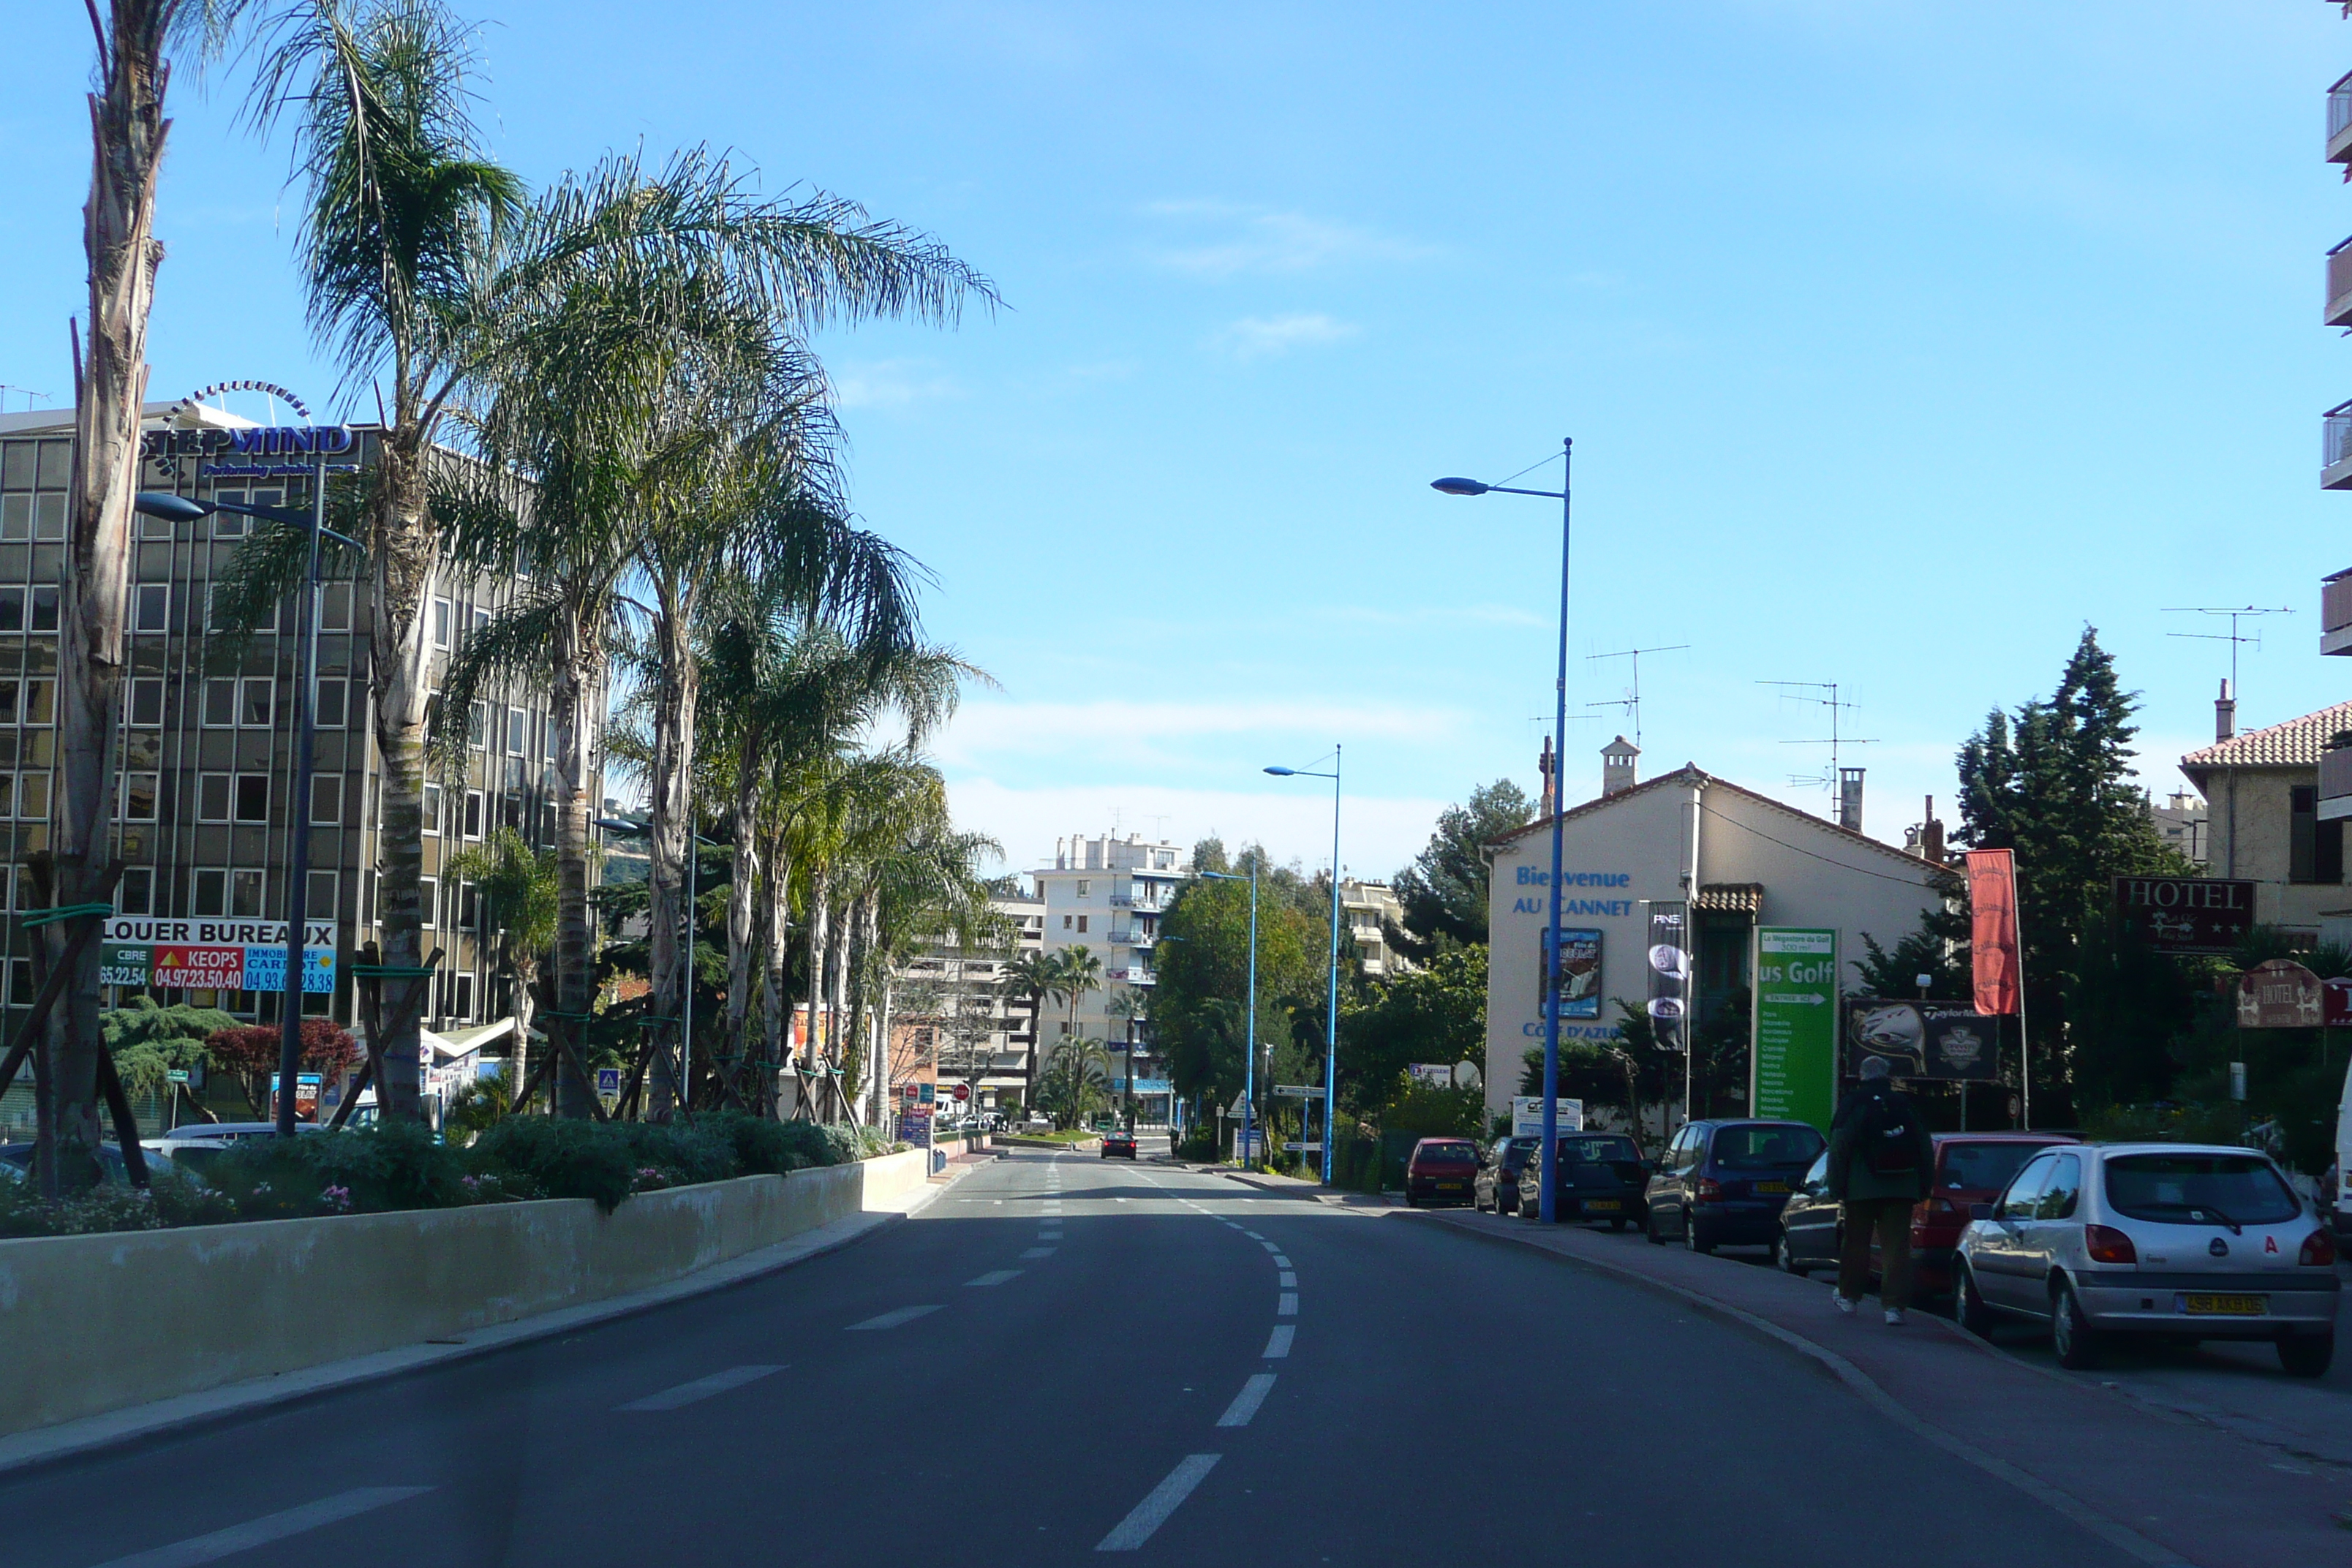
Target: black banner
x,y
1668,964
2186,915
1940,1041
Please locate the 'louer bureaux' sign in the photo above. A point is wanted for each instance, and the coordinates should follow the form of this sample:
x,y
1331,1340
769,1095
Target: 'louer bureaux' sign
x,y
213,955
1792,1054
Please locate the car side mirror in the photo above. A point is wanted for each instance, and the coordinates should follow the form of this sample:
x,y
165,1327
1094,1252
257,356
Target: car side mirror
x,y
1981,1211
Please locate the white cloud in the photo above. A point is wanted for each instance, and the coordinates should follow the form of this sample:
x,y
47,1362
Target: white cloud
x,y
1254,337
1376,837
1254,240
891,384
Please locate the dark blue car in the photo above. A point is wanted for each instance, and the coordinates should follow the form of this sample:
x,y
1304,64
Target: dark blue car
x,y
1723,1184
1599,1176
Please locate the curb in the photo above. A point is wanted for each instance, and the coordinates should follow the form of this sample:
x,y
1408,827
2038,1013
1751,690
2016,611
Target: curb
x,y
44,1446
2112,1531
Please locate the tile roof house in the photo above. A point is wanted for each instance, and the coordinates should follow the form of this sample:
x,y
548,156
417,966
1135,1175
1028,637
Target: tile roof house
x,y
2261,789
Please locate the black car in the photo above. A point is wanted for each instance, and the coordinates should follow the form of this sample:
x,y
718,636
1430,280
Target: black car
x,y
1599,1177
1722,1183
1497,1184
1121,1144
17,1164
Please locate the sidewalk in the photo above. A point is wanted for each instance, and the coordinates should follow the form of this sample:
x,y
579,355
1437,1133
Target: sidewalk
x,y
2162,1485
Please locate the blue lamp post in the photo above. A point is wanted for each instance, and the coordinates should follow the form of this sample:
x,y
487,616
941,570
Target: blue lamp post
x,y
1332,1012
1456,486
1249,1068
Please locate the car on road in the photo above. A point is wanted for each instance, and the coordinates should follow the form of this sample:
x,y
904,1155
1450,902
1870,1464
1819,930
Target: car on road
x,y
1599,1176
1120,1144
2184,1242
1441,1171
1971,1168
17,1164
1496,1185
1722,1183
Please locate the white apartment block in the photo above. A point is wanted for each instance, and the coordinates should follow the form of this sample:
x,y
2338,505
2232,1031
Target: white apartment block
x,y
1366,905
952,1024
1105,895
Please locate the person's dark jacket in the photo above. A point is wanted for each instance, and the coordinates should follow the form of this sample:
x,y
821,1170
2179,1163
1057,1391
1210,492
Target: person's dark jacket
x,y
1850,1175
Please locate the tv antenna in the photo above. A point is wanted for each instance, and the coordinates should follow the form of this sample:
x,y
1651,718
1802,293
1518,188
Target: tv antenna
x,y
1631,704
29,394
2236,614
1799,690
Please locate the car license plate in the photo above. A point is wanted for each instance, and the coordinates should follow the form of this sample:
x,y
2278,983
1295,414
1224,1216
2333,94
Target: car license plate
x,y
2197,1305
1449,1186
1603,1205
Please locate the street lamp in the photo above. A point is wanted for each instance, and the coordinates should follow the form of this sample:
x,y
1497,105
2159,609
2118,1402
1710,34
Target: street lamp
x,y
1249,1066
179,508
1331,1014
624,827
1460,487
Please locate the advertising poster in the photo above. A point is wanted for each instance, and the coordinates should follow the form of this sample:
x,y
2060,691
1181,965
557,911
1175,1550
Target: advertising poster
x,y
1527,1115
1579,971
1669,968
213,955
1944,1042
1792,1045
1992,931
2186,915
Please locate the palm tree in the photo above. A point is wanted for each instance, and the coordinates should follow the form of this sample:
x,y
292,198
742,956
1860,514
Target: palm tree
x,y
515,887
1078,973
1073,1081
1030,975
1127,1003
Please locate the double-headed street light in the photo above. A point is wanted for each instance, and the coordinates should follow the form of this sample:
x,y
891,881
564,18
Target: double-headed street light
x,y
1249,1067
1457,486
1331,1014
180,508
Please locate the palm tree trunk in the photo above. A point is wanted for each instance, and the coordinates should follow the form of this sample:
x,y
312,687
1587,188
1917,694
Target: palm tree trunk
x,y
742,893
403,552
857,1058
820,937
575,956
127,134
775,1008
836,1043
677,684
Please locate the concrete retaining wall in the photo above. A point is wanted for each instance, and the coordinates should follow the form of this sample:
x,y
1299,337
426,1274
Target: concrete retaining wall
x,y
93,1323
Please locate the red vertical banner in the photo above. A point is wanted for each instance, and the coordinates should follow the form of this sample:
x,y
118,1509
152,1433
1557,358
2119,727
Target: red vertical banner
x,y
1993,929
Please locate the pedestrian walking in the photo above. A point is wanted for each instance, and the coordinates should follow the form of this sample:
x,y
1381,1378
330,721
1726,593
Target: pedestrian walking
x,y
1880,1164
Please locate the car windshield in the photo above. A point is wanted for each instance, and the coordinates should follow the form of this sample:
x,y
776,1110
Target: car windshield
x,y
1448,1155
2199,1189
1984,1167
1765,1148
1597,1150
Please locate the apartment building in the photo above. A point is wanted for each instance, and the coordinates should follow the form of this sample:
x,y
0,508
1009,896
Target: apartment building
x,y
206,812
1371,908
1105,895
951,1023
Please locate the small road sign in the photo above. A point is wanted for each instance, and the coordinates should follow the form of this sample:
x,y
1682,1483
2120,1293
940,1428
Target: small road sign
x,y
963,1092
1297,1091
608,1080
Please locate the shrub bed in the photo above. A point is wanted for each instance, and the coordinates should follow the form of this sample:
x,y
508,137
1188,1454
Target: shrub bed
x,y
403,1165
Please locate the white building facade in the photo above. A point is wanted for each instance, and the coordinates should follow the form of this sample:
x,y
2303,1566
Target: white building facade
x,y
1105,895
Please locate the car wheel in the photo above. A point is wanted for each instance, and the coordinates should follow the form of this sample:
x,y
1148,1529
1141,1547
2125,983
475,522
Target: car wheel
x,y
1617,1223
1788,1259
1411,1202
1693,1237
1650,1230
2074,1341
1969,1303
2307,1355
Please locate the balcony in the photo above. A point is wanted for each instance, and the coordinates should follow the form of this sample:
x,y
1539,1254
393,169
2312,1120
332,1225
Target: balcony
x,y
2336,448
2336,779
1137,938
2335,612
2339,120
2339,286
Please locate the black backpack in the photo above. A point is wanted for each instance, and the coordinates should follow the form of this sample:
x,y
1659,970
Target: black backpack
x,y
1889,1146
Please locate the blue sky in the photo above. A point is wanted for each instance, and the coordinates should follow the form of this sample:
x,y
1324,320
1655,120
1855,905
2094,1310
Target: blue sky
x,y
1898,342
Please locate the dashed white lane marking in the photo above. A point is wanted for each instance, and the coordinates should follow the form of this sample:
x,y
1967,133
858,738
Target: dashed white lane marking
x,y
993,1276
1256,1237
1289,1281
1286,1304
1280,1261
700,1388
1246,1402
270,1527
1049,1236
892,1319
1277,1344
1041,1252
1152,1511
1271,1247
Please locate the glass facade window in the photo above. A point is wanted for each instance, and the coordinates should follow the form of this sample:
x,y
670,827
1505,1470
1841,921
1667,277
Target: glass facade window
x,y
253,798
135,894
139,793
326,800
259,702
146,703
328,712
208,893
244,894
151,609
212,800
433,809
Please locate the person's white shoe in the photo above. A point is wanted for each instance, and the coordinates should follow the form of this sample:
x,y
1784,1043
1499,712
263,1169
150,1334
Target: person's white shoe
x,y
1843,1304
1894,1317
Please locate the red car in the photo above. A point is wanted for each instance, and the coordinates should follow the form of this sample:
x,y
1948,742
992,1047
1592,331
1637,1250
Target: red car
x,y
1971,1168
1442,1170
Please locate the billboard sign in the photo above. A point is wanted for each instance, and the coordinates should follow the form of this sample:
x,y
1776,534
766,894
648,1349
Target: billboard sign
x,y
1578,969
213,955
1527,1115
1668,967
2281,994
1944,1041
1793,1029
2186,915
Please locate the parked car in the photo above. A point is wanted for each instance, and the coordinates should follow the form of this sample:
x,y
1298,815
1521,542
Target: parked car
x,y
1441,1171
17,1164
1496,1185
1971,1168
2187,1241
1721,1184
1118,1144
1599,1176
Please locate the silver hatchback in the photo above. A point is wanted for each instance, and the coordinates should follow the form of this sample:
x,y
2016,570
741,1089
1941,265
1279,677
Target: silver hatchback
x,y
2187,1241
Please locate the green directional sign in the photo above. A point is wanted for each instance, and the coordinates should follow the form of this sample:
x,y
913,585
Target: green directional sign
x,y
1792,1054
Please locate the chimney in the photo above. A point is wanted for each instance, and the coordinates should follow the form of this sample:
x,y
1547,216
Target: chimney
x,y
1544,765
2225,714
1931,836
1617,760
1850,799
1061,854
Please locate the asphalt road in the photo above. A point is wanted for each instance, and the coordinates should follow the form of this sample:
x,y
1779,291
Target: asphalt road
x,y
1064,1358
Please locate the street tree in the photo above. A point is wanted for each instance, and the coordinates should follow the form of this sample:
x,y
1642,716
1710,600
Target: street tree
x,y
1443,892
